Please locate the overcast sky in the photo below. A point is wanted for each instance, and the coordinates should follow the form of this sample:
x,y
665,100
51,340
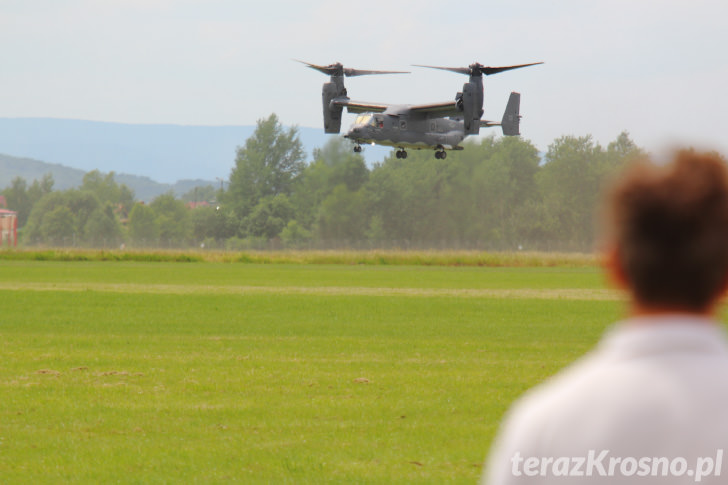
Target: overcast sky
x,y
656,68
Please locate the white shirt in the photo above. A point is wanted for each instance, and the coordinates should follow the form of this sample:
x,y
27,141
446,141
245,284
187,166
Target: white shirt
x,y
651,399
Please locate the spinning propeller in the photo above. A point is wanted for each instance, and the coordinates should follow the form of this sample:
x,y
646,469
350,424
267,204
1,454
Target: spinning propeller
x,y
478,69
337,69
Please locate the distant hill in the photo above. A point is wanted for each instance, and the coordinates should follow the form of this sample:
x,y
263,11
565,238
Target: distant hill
x,y
64,178
163,153
30,170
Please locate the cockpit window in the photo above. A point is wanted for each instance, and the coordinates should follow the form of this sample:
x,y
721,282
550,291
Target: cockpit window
x,y
363,119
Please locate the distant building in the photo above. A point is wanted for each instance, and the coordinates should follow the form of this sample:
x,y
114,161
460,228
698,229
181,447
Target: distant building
x,y
8,227
195,205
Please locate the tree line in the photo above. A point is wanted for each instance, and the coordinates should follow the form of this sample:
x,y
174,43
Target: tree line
x,y
498,194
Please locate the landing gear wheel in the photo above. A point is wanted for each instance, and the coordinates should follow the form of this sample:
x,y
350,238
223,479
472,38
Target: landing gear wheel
x,y
357,148
401,153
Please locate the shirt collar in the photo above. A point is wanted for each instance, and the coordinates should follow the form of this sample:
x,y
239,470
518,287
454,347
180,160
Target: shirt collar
x,y
641,336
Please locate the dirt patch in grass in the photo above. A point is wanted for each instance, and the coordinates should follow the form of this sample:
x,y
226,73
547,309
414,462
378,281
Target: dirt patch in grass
x,y
348,257
520,293
49,372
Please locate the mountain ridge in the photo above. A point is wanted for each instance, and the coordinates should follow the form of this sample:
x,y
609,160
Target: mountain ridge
x,y
65,178
165,153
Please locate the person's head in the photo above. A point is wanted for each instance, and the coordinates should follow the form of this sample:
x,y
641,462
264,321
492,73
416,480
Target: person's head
x,y
667,232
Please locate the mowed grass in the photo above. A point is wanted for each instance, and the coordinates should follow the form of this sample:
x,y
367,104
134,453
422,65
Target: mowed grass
x,y
123,372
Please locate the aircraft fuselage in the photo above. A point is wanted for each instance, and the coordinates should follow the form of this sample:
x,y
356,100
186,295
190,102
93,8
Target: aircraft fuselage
x,y
400,128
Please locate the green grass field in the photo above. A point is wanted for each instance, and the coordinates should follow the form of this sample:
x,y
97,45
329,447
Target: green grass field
x,y
204,372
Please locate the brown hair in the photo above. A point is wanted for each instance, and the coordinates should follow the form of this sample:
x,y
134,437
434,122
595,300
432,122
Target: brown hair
x,y
670,227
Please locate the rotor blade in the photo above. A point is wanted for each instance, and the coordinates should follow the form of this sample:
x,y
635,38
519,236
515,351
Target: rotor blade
x,y
330,69
338,70
362,72
495,70
459,70
475,69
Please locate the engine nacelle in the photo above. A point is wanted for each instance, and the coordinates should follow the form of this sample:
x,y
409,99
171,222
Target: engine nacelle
x,y
332,113
471,113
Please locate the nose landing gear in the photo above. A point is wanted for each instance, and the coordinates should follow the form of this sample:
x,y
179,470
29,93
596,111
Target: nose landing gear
x,y
401,153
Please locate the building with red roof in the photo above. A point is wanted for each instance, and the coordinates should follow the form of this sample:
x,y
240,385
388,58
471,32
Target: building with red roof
x,y
8,227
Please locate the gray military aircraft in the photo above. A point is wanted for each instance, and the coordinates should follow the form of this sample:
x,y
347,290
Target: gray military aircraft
x,y
438,126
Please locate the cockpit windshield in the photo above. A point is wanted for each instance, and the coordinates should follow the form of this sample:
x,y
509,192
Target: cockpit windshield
x,y
366,119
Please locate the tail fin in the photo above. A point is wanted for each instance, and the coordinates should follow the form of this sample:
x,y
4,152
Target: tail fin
x,y
511,118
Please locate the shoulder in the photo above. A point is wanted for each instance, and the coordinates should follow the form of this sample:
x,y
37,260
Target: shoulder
x,y
537,420
559,396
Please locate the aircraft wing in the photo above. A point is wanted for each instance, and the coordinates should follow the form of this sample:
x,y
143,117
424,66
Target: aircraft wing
x,y
441,110
448,108
360,106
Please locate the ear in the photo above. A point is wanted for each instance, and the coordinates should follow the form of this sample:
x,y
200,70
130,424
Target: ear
x,y
612,265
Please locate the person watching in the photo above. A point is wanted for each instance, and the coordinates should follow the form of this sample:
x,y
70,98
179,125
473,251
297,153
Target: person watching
x,y
650,403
